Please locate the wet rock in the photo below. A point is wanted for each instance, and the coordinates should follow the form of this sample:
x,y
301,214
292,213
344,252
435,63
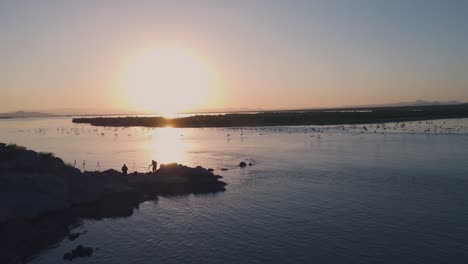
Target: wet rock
x,y
67,256
75,235
78,252
210,170
242,164
224,169
250,164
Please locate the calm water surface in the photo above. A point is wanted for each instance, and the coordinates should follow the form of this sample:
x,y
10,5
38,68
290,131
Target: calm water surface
x,y
344,195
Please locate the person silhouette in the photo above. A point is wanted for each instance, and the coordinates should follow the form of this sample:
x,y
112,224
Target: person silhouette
x,y
124,169
153,166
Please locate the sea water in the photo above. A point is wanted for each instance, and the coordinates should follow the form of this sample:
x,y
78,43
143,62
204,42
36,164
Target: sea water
x,y
393,194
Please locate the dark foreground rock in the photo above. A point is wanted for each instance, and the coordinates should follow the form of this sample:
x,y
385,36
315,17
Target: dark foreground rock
x,y
78,252
34,183
42,199
75,236
22,239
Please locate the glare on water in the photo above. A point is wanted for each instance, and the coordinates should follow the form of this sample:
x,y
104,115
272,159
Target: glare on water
x,y
337,194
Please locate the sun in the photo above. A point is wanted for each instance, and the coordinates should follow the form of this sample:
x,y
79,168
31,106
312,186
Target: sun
x,y
167,80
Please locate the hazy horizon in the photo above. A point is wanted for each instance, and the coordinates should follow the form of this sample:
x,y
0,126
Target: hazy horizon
x,y
91,111
158,56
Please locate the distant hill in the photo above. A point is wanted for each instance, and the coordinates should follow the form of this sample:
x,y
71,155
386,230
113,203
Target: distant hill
x,y
415,103
400,104
24,114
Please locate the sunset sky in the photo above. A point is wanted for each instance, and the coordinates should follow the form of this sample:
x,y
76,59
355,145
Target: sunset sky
x,y
170,56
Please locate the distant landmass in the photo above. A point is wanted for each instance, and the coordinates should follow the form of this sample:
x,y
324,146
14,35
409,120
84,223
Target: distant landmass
x,y
338,116
399,104
122,112
24,114
414,103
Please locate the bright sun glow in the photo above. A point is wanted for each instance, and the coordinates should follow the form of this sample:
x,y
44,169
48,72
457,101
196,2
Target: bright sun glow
x,y
168,146
167,80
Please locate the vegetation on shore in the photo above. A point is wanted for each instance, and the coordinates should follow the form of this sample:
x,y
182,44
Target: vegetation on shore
x,y
291,118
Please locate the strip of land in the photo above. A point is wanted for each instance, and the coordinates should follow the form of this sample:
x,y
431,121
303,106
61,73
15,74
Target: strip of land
x,y
341,116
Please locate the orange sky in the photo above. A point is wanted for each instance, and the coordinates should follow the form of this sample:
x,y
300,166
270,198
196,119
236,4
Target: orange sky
x,y
216,55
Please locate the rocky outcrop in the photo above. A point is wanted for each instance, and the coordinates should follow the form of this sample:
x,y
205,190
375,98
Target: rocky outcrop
x,y
32,184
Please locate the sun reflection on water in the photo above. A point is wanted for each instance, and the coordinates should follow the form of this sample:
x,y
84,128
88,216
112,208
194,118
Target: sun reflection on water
x,y
168,145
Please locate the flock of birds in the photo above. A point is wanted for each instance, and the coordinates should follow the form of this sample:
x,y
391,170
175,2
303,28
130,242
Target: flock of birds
x,y
457,127
412,127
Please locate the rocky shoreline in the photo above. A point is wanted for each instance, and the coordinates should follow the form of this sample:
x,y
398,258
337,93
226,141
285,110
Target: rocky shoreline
x,y
34,183
41,197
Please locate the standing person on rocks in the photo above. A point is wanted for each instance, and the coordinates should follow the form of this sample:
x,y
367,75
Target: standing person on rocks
x,y
124,169
153,166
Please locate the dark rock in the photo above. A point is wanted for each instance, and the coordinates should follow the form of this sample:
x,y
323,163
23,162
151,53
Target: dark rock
x,y
78,252
27,176
250,164
108,196
242,164
75,235
111,172
67,256
224,169
210,170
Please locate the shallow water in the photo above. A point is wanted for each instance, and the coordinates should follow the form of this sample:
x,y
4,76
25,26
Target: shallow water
x,y
331,196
